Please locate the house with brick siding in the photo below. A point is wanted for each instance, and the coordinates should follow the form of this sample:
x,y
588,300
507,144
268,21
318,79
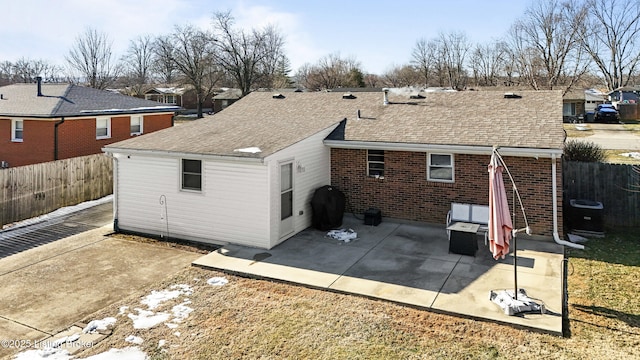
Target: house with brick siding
x,y
247,175
46,122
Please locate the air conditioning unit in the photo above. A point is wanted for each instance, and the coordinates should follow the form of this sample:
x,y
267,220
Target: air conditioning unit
x,y
4,164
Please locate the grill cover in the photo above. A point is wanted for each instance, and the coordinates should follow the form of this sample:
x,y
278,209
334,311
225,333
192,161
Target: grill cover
x,y
328,208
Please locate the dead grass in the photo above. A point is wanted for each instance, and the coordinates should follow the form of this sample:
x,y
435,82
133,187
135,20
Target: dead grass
x,y
250,318
572,132
615,157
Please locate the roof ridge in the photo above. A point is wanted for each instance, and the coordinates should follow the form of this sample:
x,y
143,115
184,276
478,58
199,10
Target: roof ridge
x,y
61,99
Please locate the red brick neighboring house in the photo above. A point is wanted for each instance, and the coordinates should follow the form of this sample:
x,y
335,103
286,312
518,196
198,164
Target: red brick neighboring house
x,y
46,122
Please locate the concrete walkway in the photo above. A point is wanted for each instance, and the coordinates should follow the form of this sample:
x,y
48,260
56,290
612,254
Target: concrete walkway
x,y
48,288
409,264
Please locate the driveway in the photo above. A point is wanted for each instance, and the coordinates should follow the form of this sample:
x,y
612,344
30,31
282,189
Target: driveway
x,y
614,137
48,288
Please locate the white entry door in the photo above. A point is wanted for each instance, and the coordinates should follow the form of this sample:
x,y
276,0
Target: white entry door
x,y
286,198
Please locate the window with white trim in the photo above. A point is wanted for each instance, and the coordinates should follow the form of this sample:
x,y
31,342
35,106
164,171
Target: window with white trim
x,y
440,167
375,163
192,175
103,128
17,128
136,124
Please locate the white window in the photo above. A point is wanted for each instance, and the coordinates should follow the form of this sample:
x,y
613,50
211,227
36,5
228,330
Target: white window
x,y
103,128
16,130
136,124
170,99
569,109
440,167
192,175
375,163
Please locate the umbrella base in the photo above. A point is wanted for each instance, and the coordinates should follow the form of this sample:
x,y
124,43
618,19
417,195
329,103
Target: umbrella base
x,y
507,301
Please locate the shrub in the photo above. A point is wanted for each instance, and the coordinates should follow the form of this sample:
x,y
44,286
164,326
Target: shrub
x,y
585,151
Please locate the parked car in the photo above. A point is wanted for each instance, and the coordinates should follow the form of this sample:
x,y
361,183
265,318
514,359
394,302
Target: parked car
x,y
606,113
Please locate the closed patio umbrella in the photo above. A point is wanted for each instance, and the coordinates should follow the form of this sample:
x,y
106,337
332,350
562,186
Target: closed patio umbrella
x,y
501,233
500,224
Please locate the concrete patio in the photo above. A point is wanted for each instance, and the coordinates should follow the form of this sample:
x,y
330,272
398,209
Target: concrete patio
x,y
409,263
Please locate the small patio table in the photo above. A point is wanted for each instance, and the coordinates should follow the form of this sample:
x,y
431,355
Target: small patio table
x,y
463,238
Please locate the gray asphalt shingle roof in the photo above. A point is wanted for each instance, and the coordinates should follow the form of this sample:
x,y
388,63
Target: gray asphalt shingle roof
x,y
22,100
471,118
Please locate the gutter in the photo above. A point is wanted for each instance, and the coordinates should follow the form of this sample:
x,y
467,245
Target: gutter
x,y
55,137
554,192
462,149
113,151
116,228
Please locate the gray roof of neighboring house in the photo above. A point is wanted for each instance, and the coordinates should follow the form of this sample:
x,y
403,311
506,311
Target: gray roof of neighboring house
x,y
22,100
231,94
472,118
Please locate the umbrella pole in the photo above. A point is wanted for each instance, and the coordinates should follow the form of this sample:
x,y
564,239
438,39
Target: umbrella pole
x,y
515,245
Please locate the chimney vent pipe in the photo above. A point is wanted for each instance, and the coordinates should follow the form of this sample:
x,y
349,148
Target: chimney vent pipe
x,y
385,100
39,81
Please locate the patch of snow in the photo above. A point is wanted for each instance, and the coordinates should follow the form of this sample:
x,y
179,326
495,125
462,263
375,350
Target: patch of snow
x,y
181,311
147,319
217,281
177,333
252,150
63,211
122,310
49,354
96,325
171,325
635,155
161,343
156,298
128,353
134,339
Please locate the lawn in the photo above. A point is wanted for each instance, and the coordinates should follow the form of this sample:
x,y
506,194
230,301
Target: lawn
x,y
251,318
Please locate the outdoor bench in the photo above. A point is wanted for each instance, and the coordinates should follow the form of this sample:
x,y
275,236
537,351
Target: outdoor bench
x,y
467,215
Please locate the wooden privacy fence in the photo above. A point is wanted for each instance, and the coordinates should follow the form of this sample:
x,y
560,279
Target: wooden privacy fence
x,y
616,186
33,190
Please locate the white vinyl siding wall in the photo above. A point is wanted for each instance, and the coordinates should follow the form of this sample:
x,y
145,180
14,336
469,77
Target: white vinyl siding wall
x,y
232,206
311,170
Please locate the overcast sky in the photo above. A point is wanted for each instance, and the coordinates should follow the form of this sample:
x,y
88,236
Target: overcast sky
x,y
379,34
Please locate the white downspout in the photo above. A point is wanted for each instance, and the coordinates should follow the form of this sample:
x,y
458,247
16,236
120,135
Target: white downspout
x,y
556,236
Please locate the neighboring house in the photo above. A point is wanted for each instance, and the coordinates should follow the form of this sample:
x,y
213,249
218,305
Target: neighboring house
x,y
573,106
248,177
46,122
165,95
226,98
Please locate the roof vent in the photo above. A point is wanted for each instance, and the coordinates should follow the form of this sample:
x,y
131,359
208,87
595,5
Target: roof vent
x,y
39,85
512,96
418,96
385,96
278,96
348,96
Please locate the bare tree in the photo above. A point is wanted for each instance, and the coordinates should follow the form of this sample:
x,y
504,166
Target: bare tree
x,y
613,40
330,72
487,61
546,44
193,55
138,62
92,57
424,58
250,57
164,66
402,75
453,49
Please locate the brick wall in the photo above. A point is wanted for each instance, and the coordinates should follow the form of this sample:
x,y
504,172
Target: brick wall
x,y
406,194
76,137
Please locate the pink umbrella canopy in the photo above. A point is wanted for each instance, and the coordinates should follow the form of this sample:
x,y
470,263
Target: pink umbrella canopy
x,y
500,224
